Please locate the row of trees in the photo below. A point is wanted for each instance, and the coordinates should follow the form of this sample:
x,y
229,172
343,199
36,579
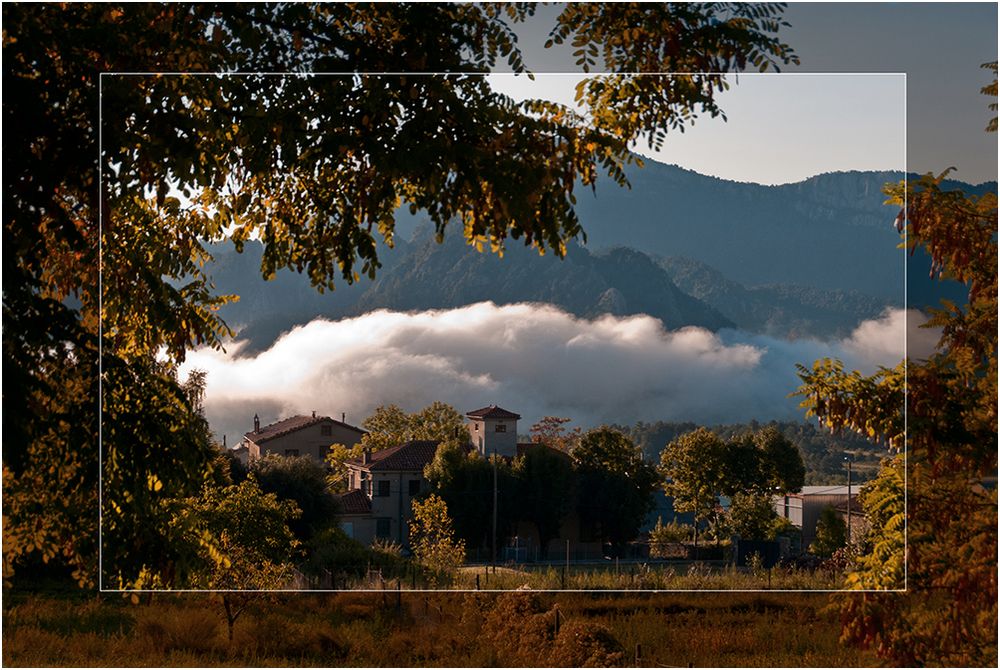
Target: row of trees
x,y
749,468
599,475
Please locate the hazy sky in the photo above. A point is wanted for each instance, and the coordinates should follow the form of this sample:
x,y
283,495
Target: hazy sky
x,y
939,45
781,127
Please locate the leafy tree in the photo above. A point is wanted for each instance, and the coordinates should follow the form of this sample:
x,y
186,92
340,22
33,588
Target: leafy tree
x,y
432,537
313,167
692,466
741,468
389,426
438,421
249,517
465,481
546,491
551,431
250,547
336,479
883,562
948,615
615,489
243,579
831,533
782,467
751,516
761,462
301,480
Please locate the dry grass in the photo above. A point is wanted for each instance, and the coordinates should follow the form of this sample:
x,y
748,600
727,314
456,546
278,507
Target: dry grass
x,y
427,630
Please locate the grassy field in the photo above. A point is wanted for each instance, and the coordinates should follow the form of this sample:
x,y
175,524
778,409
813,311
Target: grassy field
x,y
416,629
675,576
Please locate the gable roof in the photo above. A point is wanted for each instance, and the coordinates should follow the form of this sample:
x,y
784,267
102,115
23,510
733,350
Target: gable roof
x,y
492,412
412,455
354,502
295,423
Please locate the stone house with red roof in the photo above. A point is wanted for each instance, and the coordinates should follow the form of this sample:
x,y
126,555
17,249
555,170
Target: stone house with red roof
x,y
493,431
299,436
383,484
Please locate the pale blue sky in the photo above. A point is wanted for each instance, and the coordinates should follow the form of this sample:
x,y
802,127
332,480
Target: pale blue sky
x,y
939,45
781,128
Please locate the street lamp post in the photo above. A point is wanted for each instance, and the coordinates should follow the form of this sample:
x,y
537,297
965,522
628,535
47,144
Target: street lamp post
x,y
849,462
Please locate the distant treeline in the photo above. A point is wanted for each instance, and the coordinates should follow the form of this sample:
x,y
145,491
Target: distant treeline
x,y
822,452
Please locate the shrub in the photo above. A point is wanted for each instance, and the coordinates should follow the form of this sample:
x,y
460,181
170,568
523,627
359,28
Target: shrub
x,y
189,629
667,541
433,538
586,645
831,533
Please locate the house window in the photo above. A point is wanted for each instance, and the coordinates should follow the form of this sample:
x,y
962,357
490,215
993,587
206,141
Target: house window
x,y
414,487
501,428
291,452
383,488
382,528
326,430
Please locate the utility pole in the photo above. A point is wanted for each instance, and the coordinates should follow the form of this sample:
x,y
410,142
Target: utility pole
x,y
848,459
494,510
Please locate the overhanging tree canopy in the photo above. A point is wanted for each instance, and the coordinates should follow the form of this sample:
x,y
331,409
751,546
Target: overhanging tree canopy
x,y
313,167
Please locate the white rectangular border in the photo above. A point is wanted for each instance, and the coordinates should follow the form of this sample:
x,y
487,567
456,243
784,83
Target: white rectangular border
x,y
100,324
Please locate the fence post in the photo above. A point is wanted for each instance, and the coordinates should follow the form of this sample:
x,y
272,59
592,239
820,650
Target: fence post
x,y
638,655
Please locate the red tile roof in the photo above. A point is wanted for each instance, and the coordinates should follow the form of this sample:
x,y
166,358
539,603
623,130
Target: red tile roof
x,y
410,456
492,412
286,426
354,502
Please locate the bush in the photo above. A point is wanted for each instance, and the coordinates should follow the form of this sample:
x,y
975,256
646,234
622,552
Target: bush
x,y
586,645
302,480
667,541
831,533
187,629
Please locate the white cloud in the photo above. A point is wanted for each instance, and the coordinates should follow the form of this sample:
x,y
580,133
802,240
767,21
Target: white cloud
x,y
533,359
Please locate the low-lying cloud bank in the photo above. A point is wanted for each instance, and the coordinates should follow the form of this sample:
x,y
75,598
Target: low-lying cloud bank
x,y
535,360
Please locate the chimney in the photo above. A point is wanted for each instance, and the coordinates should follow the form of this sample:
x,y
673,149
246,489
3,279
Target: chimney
x,y
364,458
343,417
223,441
314,414
256,423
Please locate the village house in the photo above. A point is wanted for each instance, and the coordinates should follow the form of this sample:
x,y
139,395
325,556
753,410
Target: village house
x,y
383,484
298,436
